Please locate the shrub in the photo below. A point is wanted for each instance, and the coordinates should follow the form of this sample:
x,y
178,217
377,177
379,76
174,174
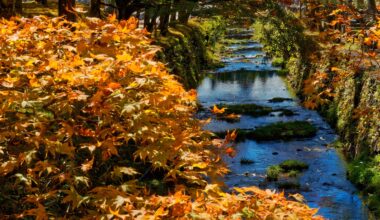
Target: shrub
x,y
93,127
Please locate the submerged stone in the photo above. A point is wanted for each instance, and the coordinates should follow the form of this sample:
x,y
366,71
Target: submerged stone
x,y
289,185
247,109
246,161
283,131
280,99
276,131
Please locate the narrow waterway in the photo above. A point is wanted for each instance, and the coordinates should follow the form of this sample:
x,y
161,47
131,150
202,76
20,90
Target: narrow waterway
x,y
248,77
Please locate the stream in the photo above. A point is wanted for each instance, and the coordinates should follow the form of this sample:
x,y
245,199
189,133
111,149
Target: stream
x,y
249,77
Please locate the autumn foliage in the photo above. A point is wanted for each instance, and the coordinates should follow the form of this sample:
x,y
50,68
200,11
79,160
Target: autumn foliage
x,y
89,121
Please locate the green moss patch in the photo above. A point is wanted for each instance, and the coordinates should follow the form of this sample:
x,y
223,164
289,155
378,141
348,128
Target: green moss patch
x,y
284,131
278,62
288,168
365,173
246,109
273,172
283,72
276,131
293,165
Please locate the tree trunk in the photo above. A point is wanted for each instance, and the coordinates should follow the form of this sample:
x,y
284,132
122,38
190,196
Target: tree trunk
x,y
164,17
372,10
95,8
17,6
65,8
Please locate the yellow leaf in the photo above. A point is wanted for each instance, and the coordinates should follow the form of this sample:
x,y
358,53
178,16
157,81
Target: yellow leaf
x,y
116,38
335,69
112,17
160,212
200,165
216,110
124,57
53,64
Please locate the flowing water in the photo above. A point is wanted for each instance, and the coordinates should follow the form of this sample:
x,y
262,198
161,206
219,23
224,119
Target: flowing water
x,y
248,77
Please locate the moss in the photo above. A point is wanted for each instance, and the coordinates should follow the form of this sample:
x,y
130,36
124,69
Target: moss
x,y
241,134
247,109
293,165
284,131
190,48
286,112
283,72
337,144
289,185
276,131
288,168
293,173
374,204
330,113
273,172
278,62
365,173
251,110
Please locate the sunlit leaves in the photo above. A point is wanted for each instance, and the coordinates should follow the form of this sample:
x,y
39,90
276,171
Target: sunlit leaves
x,y
92,126
216,110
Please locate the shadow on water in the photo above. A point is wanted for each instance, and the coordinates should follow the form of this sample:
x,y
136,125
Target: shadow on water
x,y
324,184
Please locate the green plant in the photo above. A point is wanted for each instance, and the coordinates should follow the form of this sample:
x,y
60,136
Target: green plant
x,y
293,165
273,172
284,130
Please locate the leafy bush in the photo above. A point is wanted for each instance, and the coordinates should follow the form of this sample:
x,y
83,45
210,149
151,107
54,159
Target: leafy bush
x,y
93,127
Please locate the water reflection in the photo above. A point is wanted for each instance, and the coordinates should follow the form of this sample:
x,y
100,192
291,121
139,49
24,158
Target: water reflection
x,y
324,184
